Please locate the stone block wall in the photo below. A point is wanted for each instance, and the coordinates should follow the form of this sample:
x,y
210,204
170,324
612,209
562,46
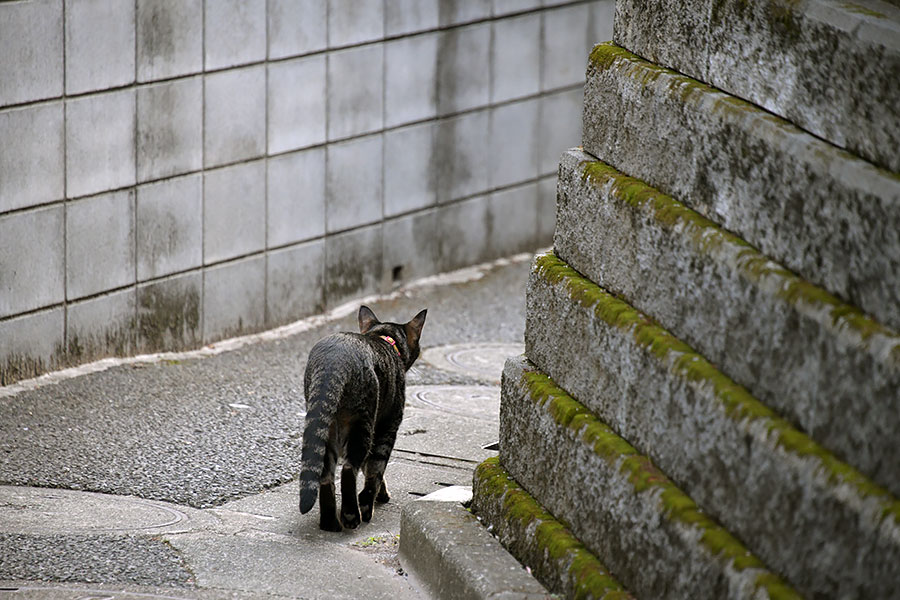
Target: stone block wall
x,y
174,172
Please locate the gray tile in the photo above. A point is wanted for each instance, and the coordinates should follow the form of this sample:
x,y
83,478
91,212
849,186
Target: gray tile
x,y
32,344
169,226
513,143
516,57
100,327
295,283
559,127
235,32
461,155
296,103
296,189
546,210
410,92
234,211
99,244
600,28
363,22
463,68
461,234
456,12
353,265
31,170
410,16
100,143
297,27
512,221
566,46
234,120
32,261
169,128
410,177
353,183
99,45
502,7
234,298
410,247
167,40
355,85
31,51
169,313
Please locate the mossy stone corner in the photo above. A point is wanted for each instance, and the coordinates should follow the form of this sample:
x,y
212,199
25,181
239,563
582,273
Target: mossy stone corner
x,y
556,556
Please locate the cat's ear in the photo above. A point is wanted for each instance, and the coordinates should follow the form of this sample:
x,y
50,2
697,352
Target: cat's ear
x,y
414,328
367,319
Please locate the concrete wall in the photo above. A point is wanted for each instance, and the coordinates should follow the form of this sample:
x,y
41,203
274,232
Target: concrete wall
x,y
174,172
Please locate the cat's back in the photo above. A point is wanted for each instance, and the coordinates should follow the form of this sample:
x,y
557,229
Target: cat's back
x,y
340,351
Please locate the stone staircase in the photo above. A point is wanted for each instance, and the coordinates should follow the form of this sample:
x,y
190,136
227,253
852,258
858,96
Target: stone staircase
x,y
709,401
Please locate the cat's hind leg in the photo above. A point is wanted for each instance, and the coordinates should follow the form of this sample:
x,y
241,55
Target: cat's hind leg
x,y
327,502
375,488
357,448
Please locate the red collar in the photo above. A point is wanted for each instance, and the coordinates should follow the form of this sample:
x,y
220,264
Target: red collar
x,y
391,341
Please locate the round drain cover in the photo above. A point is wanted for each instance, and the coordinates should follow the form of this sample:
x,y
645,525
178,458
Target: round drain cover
x,y
483,361
475,401
27,510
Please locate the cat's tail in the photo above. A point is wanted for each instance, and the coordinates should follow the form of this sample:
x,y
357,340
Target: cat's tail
x,y
322,405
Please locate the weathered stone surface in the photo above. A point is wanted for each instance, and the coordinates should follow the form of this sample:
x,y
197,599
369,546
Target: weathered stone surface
x,y
100,148
42,282
538,539
99,62
296,103
234,213
463,68
819,362
169,128
169,313
99,244
513,150
296,197
169,226
32,344
828,528
167,45
102,326
234,298
234,32
355,91
234,115
653,537
455,557
353,183
297,27
31,51
294,279
832,218
516,57
410,92
364,22
33,170
353,262
831,67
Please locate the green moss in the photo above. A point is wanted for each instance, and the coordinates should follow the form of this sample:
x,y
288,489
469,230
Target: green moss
x,y
643,475
708,237
587,576
682,360
862,10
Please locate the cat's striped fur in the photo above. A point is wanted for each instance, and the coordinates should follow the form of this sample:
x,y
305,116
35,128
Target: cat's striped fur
x,y
355,387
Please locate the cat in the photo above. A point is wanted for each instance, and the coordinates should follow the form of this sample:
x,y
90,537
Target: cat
x,y
355,388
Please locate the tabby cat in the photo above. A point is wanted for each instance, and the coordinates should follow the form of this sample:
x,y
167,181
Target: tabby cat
x,y
355,387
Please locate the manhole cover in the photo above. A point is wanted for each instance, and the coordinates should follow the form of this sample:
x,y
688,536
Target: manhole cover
x,y
483,361
30,510
475,401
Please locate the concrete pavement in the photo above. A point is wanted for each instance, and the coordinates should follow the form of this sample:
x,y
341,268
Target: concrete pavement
x,y
173,476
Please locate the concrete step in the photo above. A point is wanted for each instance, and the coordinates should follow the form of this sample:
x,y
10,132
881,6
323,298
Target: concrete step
x,y
830,217
830,530
450,555
653,537
826,367
538,539
829,66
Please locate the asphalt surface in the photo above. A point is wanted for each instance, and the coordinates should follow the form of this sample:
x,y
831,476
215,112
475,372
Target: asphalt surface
x,y
91,466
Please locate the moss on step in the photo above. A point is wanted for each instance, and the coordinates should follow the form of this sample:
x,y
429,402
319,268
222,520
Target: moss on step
x,y
588,576
708,237
684,362
644,476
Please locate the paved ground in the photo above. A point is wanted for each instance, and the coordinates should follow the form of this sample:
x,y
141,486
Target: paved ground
x,y
175,478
